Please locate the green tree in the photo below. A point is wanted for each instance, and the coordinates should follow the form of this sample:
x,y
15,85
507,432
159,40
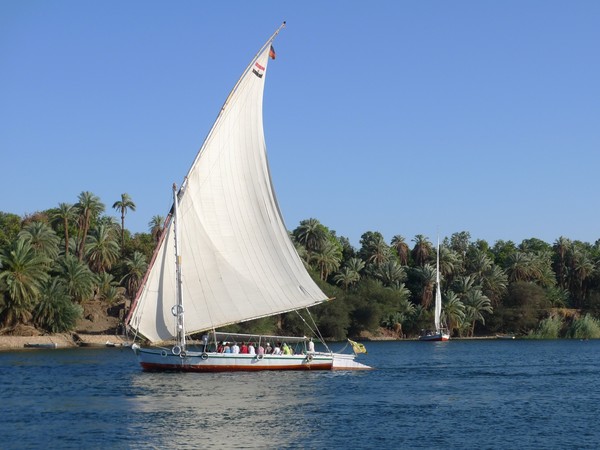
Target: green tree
x,y
124,205
10,225
64,215
391,273
562,248
156,226
373,248
427,275
346,277
422,250
453,311
136,269
78,279
89,207
327,258
21,279
42,238
476,304
102,249
312,234
399,244
55,312
494,284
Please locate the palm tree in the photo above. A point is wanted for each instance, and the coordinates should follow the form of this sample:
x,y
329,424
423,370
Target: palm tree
x,y
123,205
23,274
450,262
422,249
156,226
495,284
312,235
108,289
328,258
427,274
136,269
562,248
346,277
390,273
88,207
42,238
55,312
77,277
459,242
373,248
379,252
453,312
519,266
402,249
475,305
355,264
582,268
463,284
102,249
478,263
64,214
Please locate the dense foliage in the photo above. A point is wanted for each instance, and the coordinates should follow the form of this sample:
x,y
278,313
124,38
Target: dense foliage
x,y
53,262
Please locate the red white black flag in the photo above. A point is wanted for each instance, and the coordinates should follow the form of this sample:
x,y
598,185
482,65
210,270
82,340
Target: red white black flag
x,y
258,70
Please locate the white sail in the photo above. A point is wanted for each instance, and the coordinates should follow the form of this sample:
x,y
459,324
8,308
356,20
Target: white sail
x,y
237,261
438,292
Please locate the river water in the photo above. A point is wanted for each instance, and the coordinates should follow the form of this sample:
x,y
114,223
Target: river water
x,y
484,394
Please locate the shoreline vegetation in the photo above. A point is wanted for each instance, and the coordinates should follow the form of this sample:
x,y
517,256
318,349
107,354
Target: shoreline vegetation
x,y
80,340
75,269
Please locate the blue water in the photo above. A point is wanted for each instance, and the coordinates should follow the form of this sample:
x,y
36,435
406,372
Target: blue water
x,y
446,395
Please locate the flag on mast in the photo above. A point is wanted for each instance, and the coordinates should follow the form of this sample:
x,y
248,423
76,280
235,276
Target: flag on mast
x,y
272,52
357,347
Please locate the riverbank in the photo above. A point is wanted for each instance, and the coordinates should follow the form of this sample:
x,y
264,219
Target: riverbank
x,y
64,340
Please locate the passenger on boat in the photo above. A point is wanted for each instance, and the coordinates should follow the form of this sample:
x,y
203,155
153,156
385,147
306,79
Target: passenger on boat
x,y
311,346
244,348
235,348
269,349
251,348
277,349
226,347
260,350
286,350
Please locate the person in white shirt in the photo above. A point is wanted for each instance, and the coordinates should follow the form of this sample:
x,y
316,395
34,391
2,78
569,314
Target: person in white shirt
x,y
277,350
311,346
235,348
251,349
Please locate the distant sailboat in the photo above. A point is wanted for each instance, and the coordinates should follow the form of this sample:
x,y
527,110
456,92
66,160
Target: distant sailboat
x,y
441,333
225,256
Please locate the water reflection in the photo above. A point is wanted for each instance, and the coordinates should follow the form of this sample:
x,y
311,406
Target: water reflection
x,y
225,410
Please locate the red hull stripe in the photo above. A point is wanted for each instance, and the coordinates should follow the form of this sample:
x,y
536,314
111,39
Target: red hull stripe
x,y
150,367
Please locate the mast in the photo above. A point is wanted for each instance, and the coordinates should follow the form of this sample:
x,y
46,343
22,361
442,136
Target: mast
x,y
178,310
438,293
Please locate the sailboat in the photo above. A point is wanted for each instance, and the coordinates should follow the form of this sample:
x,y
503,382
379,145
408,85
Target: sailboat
x,y
225,257
441,333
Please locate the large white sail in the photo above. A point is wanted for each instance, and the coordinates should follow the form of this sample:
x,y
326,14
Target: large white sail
x,y
438,292
238,262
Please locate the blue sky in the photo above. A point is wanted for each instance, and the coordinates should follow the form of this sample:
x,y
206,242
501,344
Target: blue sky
x,y
401,117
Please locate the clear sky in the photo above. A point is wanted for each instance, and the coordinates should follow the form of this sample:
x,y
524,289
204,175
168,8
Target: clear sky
x,y
403,117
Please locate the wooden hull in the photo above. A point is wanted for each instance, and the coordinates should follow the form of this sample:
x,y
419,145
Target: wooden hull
x,y
162,359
